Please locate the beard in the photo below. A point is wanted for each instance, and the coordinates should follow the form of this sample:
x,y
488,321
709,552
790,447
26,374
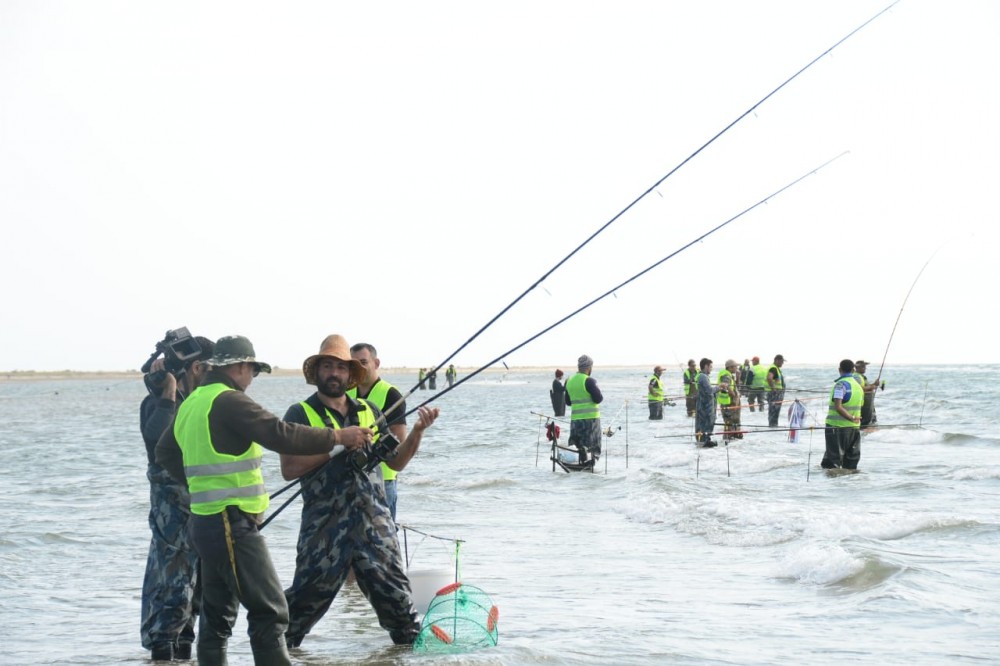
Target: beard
x,y
332,388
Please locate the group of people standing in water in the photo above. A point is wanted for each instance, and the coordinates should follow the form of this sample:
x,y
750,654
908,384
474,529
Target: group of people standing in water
x,y
851,403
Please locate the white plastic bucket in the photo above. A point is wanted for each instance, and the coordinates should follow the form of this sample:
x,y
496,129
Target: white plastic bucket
x,y
424,584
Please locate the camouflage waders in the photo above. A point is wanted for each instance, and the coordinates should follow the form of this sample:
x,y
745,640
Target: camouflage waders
x,y
170,597
346,525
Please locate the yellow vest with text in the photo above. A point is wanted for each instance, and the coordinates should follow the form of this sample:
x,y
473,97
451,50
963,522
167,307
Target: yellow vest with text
x,y
216,480
852,404
584,407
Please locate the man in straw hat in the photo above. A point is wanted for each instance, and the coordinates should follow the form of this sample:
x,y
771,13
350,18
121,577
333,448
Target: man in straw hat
x,y
214,447
346,523
584,396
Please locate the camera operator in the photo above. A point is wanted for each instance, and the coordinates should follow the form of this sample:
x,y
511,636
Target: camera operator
x,y
169,588
346,522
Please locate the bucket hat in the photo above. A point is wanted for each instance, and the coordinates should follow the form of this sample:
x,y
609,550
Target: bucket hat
x,y
232,349
333,346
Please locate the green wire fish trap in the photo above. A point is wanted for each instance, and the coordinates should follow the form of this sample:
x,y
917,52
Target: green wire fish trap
x,y
460,617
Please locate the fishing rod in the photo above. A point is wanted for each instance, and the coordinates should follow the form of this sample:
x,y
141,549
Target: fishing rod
x,y
879,377
655,185
626,282
601,229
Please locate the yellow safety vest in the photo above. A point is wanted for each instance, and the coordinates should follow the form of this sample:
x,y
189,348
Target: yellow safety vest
x,y
655,390
583,405
377,396
852,404
723,397
216,480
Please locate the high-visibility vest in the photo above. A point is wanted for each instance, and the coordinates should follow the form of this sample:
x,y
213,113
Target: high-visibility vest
x,y
583,405
366,419
852,404
759,377
655,390
690,385
779,379
216,480
723,396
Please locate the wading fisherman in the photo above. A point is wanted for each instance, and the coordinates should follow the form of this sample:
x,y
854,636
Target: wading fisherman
x,y
382,394
214,447
655,395
758,382
868,408
728,397
691,387
346,522
170,593
450,374
558,394
775,391
584,396
704,420
843,421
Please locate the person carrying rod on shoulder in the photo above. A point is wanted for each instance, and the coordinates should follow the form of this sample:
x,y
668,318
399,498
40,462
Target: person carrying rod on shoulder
x,y
214,447
584,396
843,421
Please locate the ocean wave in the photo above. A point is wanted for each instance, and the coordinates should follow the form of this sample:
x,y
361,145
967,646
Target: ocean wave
x,y
975,473
832,564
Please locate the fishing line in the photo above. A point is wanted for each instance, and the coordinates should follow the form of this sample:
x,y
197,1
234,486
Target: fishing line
x,y
562,261
901,311
626,282
653,187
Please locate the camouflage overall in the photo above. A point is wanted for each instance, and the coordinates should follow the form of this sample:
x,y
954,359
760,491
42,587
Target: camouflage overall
x,y
169,595
346,525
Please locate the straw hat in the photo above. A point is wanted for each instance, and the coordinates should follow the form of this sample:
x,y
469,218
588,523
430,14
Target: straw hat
x,y
335,347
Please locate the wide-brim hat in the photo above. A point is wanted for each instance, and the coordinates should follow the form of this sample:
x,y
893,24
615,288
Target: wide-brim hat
x,y
232,349
335,347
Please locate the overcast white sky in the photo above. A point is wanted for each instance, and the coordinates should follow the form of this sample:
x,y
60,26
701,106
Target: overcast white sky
x,y
400,172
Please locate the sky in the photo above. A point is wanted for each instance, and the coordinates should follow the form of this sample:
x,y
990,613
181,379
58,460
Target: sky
x,y
447,180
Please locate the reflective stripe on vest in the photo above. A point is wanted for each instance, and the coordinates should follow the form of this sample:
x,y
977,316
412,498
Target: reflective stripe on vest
x,y
656,392
852,404
583,405
216,480
723,396
377,396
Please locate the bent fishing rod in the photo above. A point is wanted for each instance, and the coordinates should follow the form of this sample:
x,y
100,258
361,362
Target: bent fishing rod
x,y
626,282
339,450
901,312
651,188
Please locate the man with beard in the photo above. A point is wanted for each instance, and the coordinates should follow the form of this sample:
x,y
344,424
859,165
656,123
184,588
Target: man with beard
x,y
346,523
215,448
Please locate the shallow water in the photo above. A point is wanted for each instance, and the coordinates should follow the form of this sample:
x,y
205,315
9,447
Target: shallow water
x,y
741,554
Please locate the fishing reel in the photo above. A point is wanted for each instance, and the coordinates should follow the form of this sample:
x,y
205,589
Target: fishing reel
x,y
367,458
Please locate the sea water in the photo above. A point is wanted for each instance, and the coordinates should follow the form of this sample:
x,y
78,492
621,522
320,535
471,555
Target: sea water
x,y
743,554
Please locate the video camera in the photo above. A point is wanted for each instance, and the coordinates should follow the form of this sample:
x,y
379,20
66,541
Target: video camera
x,y
178,348
368,458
